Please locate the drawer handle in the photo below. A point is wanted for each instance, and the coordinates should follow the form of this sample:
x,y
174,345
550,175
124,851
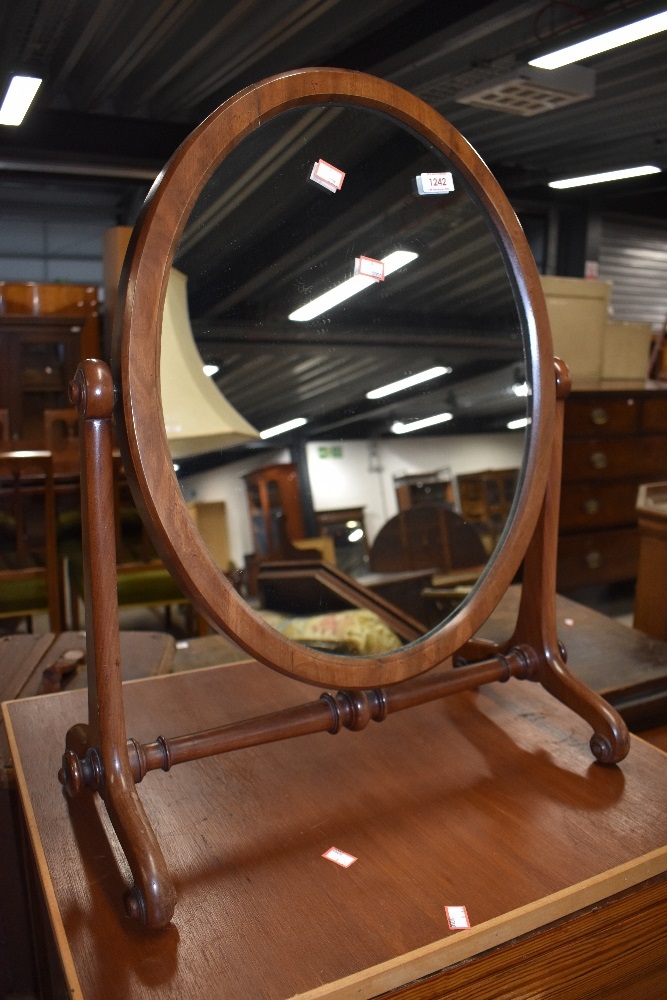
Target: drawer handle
x,y
593,560
599,416
599,460
592,506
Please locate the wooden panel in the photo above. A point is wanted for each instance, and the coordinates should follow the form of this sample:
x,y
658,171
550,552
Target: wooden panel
x,y
651,595
594,959
585,506
211,519
654,415
620,458
597,557
601,413
488,799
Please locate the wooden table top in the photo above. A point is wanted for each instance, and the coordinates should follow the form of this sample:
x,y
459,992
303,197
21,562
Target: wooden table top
x,y
487,799
626,666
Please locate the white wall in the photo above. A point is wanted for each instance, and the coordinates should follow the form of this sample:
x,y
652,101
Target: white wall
x,y
361,476
227,484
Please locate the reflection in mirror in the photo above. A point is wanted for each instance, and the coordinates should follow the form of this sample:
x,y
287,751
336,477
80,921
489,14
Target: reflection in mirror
x,y
348,291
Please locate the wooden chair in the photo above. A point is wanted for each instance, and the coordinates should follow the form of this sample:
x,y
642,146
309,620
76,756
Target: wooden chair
x,y
29,575
142,579
61,429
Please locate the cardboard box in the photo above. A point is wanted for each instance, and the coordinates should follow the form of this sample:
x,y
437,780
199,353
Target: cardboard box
x,y
625,351
578,310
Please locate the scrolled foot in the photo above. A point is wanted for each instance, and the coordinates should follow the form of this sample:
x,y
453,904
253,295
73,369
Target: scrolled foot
x,y
80,773
135,905
153,909
607,752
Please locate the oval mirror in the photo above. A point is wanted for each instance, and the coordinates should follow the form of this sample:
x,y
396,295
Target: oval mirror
x,y
349,266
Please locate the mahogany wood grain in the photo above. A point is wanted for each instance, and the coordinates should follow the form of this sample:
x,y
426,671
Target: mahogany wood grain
x,y
600,458
614,441
594,557
486,799
152,897
97,754
136,367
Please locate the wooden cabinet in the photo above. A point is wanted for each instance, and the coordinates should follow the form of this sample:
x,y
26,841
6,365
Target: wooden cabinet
x,y
428,488
485,500
45,330
615,439
276,513
39,355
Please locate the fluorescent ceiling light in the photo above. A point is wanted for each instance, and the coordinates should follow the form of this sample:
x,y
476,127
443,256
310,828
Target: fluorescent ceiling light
x,y
18,99
338,294
515,425
607,175
289,425
416,425
211,370
602,43
405,383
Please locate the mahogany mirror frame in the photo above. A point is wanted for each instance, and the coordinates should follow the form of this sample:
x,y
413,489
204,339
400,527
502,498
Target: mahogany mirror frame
x,y
136,363
99,755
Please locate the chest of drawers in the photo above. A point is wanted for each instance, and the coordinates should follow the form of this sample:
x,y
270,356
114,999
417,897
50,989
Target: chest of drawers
x,y
615,439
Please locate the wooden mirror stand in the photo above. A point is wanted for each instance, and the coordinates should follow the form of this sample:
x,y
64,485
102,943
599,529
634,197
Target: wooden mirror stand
x,y
99,755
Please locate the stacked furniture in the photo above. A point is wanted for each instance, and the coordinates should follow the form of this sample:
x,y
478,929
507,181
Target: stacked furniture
x,y
615,440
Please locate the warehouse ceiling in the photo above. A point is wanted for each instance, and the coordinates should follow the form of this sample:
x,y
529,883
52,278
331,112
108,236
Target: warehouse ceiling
x,y
125,82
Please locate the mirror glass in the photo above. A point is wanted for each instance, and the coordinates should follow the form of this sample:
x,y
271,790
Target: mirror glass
x,y
332,254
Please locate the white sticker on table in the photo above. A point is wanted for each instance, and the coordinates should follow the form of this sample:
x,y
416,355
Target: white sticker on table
x,y
339,857
457,918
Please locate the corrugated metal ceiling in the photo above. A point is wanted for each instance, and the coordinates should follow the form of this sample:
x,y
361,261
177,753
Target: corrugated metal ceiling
x,y
126,81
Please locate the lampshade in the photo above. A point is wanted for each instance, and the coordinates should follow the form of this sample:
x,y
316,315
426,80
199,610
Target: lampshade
x,y
197,416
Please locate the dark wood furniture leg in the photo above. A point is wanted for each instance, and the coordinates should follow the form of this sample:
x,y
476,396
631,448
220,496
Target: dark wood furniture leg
x,y
536,621
100,757
103,739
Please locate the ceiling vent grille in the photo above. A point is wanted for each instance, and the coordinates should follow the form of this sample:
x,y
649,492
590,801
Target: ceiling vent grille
x,y
531,91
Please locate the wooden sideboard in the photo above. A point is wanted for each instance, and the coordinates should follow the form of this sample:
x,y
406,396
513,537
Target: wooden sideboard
x,y
615,440
489,800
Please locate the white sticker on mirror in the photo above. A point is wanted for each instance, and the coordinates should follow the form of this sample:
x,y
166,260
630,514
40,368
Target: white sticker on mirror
x,y
442,183
327,176
369,268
